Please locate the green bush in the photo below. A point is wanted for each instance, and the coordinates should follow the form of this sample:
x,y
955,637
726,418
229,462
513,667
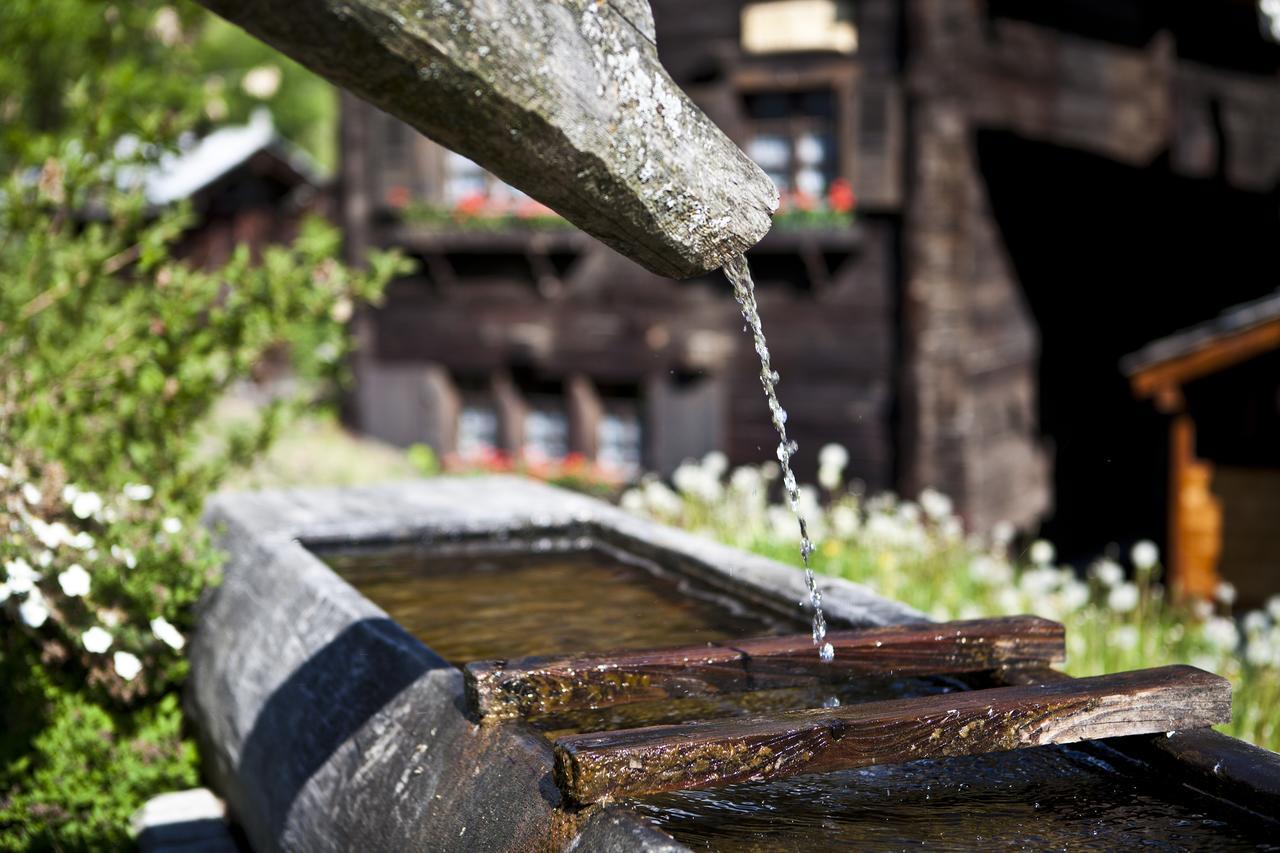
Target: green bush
x,y
113,354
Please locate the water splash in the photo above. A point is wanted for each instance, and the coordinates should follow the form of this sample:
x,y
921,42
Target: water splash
x,y
744,290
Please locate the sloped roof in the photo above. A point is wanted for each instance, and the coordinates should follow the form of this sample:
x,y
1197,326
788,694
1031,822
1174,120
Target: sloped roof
x,y
183,174
1233,321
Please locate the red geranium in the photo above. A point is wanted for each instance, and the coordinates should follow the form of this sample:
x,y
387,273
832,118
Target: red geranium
x,y
398,197
841,197
471,205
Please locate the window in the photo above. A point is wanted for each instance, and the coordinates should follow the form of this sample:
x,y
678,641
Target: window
x,y
477,429
621,445
546,430
790,26
462,178
793,139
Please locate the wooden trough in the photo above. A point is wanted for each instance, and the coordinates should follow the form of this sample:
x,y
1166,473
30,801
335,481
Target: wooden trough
x,y
329,720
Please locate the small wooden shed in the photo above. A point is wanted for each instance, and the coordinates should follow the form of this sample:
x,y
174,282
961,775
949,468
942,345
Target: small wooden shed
x,y
1219,383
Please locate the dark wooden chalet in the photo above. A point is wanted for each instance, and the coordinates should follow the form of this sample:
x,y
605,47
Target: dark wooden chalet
x,y
1041,188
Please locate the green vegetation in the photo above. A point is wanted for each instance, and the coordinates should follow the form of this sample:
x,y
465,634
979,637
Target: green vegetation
x,y
113,355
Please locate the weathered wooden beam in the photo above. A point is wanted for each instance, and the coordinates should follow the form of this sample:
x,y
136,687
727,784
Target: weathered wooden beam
x,y
610,765
542,685
564,99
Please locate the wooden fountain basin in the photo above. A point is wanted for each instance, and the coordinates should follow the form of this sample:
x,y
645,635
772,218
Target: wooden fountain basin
x,y
348,697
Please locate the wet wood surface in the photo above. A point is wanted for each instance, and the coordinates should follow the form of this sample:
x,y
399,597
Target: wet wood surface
x,y
543,685
611,765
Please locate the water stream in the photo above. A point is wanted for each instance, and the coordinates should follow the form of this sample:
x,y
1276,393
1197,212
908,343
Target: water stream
x,y
744,290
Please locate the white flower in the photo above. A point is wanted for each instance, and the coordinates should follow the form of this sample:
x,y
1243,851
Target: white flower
x,y
171,525
22,578
124,555
989,570
5,592
632,501
1002,533
1008,600
1108,572
1038,581
1075,595
1124,637
833,456
70,492
96,640
85,505
1273,607
127,665
50,535
829,477
1222,633
138,491
909,512
1258,652
662,501
167,26
82,541
1041,552
4,471
1123,598
935,504
34,611
715,464
783,523
1225,593
1202,609
44,559
845,521
1255,621
745,480
74,581
694,481
1145,554
770,470
30,494
167,634
262,82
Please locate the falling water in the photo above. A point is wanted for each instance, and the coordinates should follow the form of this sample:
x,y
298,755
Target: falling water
x,y
744,290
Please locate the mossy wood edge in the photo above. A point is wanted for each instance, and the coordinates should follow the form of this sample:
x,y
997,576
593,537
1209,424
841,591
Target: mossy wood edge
x,y
611,765
541,685
563,99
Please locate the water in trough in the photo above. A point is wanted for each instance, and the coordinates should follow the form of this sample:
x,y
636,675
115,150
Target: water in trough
x,y
744,290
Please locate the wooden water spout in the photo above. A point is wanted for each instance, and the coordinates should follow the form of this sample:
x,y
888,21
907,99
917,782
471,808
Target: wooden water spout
x,y
563,99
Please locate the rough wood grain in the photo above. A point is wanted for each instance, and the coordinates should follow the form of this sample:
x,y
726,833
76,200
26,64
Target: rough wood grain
x,y
541,685
595,767
564,99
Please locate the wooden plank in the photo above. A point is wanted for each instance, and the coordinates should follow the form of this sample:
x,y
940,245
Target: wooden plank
x,y
610,765
542,685
1241,773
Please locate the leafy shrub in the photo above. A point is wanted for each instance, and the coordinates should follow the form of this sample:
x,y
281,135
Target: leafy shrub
x,y
113,354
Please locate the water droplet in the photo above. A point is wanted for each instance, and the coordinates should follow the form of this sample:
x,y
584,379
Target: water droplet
x,y
828,653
